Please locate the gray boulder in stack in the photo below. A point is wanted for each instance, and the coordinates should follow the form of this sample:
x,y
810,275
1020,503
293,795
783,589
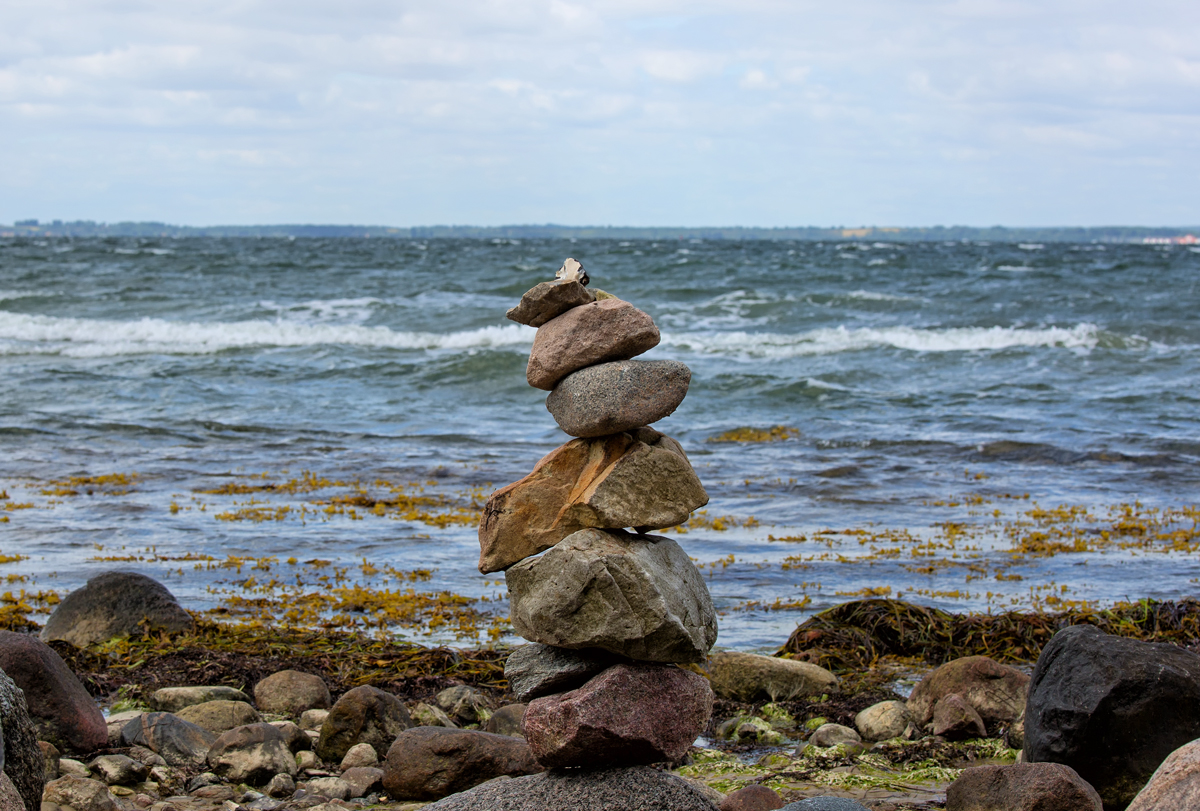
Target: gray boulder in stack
x,y
611,610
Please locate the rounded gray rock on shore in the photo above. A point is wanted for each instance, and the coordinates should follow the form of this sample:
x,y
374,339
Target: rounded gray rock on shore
x,y
115,604
825,804
630,789
618,396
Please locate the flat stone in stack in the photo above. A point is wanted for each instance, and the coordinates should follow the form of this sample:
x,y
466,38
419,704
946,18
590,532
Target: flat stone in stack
x,y
586,335
639,479
549,300
618,396
634,595
538,670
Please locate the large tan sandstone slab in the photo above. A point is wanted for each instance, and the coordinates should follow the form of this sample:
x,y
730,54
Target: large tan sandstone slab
x,y
754,677
634,595
640,479
599,332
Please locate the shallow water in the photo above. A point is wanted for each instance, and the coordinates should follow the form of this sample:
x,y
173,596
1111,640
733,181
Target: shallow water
x,y
931,387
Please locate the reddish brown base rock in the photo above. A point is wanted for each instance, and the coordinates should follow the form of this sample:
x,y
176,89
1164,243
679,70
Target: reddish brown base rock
x,y
626,716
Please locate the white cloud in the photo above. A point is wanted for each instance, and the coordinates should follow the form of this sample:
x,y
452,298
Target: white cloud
x,y
730,104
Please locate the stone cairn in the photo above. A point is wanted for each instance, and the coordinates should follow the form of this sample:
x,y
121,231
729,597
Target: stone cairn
x,y
611,612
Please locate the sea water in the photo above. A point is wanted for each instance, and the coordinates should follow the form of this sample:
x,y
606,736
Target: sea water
x,y
978,427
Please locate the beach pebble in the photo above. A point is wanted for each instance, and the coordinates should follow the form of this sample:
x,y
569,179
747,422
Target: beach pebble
x,y
883,721
220,716
825,804
291,693
633,595
363,715
755,677
51,756
639,788
178,742
618,396
583,336
253,753
751,798
361,754
313,719
508,720
307,760
281,785
116,722
537,670
1111,708
549,300
80,794
61,709
956,720
427,763
628,715
995,691
363,779
293,735
638,479
833,735
174,699
464,704
1175,784
427,715
335,788
118,770
74,768
115,604
1022,787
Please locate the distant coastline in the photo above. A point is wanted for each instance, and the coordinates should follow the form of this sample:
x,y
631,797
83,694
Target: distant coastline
x,y
938,233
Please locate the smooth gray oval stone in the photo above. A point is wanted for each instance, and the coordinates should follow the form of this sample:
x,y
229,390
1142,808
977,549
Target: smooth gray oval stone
x,y
618,396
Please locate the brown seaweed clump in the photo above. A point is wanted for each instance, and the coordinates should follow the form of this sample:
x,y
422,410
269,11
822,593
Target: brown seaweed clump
x,y
855,635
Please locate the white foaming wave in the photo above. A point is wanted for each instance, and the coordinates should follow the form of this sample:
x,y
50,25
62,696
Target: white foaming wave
x,y
87,338
840,339
1015,268
870,295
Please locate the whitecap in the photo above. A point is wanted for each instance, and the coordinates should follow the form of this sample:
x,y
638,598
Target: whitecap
x,y
840,339
1015,268
85,338
1030,246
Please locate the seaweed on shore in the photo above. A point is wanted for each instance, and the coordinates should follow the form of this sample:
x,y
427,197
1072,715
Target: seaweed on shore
x,y
855,635
239,655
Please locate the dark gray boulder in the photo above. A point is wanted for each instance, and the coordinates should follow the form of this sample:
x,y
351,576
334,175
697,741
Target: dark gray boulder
x,y
1111,708
825,804
177,741
115,604
24,762
537,670
639,788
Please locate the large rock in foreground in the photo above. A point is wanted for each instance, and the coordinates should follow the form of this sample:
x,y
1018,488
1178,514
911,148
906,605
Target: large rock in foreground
x,y
1111,708
754,677
178,742
639,479
1021,787
428,763
1175,784
602,331
995,691
61,709
633,789
549,300
252,753
24,762
628,715
634,595
618,396
115,604
363,715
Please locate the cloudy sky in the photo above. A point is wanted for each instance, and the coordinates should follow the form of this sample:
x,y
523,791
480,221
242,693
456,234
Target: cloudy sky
x,y
646,112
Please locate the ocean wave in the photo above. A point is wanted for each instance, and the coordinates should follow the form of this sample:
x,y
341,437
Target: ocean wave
x,y
841,339
81,337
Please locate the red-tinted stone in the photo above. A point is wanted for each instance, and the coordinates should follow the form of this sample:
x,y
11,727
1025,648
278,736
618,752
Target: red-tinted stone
x,y
751,798
996,691
628,715
583,336
60,707
956,720
426,763
1022,787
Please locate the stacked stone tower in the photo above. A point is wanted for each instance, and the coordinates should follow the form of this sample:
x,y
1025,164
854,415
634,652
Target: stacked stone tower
x,y
611,610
